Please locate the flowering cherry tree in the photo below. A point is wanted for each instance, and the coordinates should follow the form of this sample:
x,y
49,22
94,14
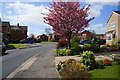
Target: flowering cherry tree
x,y
67,18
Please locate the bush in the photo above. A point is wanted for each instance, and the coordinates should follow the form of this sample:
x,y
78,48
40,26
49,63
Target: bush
x,y
88,59
64,63
99,63
115,58
61,52
95,48
117,44
37,40
65,52
103,48
75,45
91,47
74,71
112,48
86,47
107,62
62,44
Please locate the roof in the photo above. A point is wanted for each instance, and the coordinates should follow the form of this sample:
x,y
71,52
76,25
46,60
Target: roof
x,y
86,31
110,31
117,12
19,27
4,24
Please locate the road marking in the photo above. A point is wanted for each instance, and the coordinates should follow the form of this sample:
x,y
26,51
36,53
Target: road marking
x,y
23,66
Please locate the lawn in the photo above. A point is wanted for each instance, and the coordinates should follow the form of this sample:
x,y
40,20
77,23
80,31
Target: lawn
x,y
19,45
107,72
50,42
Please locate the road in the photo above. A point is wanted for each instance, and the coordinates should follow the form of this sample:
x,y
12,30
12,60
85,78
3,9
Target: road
x,y
16,57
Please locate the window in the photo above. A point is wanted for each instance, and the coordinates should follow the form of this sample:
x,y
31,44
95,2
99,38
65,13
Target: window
x,y
109,37
112,24
83,34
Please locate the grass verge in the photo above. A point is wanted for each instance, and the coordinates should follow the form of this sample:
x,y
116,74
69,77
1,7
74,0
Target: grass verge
x,y
50,42
107,72
20,45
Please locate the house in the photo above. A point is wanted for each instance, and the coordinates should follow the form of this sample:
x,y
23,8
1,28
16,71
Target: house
x,y
101,36
43,37
113,27
6,29
18,32
86,35
54,37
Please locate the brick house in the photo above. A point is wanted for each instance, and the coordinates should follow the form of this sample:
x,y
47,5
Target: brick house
x,y
6,29
43,37
18,32
54,37
86,35
113,27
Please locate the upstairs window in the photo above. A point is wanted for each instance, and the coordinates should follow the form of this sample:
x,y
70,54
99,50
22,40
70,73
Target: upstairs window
x,y
83,34
112,24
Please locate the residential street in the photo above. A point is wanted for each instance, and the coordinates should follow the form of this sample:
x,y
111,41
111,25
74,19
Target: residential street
x,y
45,61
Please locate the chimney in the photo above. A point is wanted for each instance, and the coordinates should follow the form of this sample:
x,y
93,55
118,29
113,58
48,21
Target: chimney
x,y
18,24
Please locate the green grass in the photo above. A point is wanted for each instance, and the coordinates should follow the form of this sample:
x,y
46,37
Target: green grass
x,y
19,45
107,72
49,42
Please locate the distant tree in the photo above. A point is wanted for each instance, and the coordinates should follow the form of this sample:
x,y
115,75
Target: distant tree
x,y
32,35
67,18
47,30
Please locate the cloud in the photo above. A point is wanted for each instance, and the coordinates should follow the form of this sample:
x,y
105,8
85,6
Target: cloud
x,y
97,25
36,31
25,13
95,10
96,7
98,28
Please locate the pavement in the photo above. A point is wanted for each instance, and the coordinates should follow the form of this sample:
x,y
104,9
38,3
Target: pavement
x,y
35,62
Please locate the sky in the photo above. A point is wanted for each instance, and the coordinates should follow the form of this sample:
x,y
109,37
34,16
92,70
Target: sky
x,y
29,14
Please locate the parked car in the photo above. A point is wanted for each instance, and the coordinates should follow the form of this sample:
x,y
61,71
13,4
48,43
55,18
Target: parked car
x,y
94,40
83,41
27,40
98,41
2,47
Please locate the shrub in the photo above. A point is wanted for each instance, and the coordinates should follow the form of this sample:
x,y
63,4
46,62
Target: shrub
x,y
95,48
99,63
76,51
61,44
107,62
86,47
113,48
88,59
37,40
61,52
115,58
75,45
117,44
103,48
74,71
64,63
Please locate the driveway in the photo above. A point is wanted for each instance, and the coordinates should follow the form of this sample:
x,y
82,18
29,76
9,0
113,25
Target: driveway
x,y
43,67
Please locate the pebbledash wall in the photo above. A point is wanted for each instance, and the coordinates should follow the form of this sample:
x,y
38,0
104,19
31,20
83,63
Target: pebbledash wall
x,y
113,28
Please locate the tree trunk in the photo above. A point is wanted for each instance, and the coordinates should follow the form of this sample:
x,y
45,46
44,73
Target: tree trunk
x,y
69,44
